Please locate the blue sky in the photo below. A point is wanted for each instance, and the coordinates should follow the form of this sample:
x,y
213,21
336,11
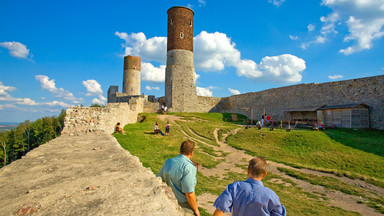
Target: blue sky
x,y
55,54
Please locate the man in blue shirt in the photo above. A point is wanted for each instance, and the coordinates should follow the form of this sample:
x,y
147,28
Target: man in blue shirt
x,y
250,197
180,174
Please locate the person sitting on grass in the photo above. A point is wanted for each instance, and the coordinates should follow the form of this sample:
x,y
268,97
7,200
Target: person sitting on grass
x,y
157,129
119,129
250,197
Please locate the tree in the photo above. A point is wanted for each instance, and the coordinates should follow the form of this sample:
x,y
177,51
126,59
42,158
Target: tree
x,y
3,141
33,134
27,134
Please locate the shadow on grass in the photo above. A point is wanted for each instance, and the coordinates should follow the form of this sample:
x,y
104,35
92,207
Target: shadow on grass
x,y
368,140
241,119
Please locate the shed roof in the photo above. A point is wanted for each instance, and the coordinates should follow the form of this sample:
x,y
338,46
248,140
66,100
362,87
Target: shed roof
x,y
305,109
344,106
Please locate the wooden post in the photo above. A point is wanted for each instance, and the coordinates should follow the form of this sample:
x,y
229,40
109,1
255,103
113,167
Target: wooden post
x,y
251,115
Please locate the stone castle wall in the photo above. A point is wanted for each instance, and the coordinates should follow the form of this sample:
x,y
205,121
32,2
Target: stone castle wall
x,y
206,104
80,120
276,101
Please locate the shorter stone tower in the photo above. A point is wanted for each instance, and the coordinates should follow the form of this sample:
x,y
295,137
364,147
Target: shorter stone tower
x,y
131,77
180,90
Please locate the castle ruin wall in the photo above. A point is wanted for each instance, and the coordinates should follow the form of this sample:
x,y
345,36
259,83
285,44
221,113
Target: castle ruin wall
x,y
276,101
80,120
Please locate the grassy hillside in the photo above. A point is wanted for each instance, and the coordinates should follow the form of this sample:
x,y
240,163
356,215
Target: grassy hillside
x,y
316,150
299,148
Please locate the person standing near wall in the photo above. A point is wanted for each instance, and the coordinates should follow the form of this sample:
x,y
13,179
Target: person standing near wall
x,y
167,127
180,174
262,121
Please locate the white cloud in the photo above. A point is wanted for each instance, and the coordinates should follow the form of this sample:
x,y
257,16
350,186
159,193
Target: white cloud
x,y
336,76
202,3
5,89
57,103
30,102
285,68
21,101
137,44
212,52
196,77
234,91
26,101
364,19
93,87
319,40
363,32
311,27
58,92
152,73
16,49
7,106
150,88
101,100
215,51
203,91
4,96
293,37
277,3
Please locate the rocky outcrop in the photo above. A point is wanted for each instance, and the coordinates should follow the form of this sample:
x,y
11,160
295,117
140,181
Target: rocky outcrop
x,y
83,175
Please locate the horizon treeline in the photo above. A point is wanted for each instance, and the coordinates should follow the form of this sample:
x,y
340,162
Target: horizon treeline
x,y
27,136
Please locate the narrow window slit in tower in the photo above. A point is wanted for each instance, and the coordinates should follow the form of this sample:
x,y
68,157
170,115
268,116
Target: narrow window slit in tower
x,y
171,21
190,23
181,35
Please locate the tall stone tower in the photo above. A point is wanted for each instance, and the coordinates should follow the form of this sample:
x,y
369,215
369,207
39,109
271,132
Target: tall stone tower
x,y
131,77
180,90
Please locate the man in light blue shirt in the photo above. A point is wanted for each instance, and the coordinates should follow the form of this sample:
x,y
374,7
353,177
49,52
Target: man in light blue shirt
x,y
180,174
250,197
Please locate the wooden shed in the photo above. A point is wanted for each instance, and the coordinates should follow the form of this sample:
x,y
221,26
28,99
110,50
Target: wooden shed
x,y
345,115
303,114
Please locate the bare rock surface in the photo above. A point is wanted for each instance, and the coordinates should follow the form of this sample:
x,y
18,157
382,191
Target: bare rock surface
x,y
83,175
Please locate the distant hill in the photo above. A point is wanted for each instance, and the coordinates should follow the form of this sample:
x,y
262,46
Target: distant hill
x,y
6,126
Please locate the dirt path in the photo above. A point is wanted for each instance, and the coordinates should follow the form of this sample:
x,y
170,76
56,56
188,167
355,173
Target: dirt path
x,y
238,157
83,175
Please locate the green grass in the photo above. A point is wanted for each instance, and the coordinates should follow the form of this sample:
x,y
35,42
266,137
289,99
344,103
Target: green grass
x,y
371,141
335,184
298,202
309,149
154,150
205,124
298,148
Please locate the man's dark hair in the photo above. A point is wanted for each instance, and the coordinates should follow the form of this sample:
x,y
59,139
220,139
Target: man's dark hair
x,y
257,167
187,147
